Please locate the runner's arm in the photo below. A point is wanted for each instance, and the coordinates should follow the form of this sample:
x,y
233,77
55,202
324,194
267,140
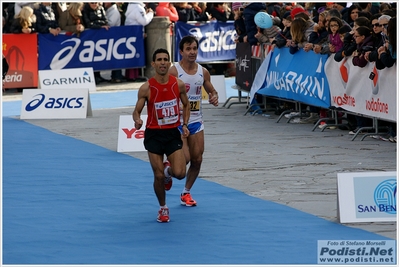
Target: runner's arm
x,y
213,94
186,107
142,96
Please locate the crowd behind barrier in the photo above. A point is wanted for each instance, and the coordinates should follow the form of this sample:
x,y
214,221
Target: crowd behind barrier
x,y
317,80
356,42
119,47
293,76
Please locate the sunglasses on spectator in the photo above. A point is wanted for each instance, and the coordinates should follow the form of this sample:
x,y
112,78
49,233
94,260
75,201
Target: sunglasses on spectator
x,y
376,25
385,25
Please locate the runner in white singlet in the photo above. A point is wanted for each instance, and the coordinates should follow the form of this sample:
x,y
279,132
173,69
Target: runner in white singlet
x,y
195,77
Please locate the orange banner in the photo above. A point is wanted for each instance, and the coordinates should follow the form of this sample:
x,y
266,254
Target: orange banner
x,y
20,51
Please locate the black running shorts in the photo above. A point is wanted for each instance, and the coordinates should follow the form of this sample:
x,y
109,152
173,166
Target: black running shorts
x,y
162,141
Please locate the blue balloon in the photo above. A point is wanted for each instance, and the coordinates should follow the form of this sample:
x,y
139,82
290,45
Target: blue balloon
x,y
263,20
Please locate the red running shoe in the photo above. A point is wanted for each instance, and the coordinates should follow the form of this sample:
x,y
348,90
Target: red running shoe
x,y
187,200
163,215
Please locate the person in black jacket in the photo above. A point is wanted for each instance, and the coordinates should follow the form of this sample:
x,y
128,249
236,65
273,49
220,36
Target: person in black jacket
x,y
5,68
284,38
221,12
379,38
46,21
320,32
239,24
250,10
349,41
387,52
94,17
185,11
199,12
24,22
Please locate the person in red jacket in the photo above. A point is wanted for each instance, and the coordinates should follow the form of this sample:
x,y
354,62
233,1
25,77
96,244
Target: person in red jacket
x,y
163,94
166,9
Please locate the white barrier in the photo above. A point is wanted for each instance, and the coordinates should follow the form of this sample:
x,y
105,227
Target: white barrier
x,y
367,197
67,78
55,104
352,89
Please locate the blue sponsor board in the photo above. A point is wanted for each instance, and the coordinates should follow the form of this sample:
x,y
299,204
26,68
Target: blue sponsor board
x,y
300,77
115,48
216,40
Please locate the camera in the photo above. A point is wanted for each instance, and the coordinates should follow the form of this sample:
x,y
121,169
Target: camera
x,y
372,75
367,48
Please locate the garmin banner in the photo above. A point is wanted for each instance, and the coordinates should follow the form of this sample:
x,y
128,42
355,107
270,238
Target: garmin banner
x,y
216,40
299,77
365,90
116,48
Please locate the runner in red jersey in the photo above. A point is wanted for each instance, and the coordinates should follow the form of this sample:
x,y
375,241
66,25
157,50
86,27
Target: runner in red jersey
x,y
163,94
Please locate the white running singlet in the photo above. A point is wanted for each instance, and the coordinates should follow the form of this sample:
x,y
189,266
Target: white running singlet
x,y
194,85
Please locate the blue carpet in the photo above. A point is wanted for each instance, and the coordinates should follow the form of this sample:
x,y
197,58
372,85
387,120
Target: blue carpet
x,y
66,201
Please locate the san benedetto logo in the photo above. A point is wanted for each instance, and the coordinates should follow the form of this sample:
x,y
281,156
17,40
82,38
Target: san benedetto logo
x,y
385,196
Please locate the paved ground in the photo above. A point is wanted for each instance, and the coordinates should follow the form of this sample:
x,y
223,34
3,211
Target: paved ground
x,y
281,162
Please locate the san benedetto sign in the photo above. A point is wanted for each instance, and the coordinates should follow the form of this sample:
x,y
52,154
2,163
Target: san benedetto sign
x,y
367,197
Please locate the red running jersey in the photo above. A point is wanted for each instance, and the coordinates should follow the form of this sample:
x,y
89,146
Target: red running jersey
x,y
163,104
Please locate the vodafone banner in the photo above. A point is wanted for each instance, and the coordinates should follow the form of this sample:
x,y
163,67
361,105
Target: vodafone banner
x,y
365,90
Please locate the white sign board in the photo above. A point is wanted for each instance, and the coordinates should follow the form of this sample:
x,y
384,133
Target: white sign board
x,y
67,79
55,104
218,81
367,197
129,138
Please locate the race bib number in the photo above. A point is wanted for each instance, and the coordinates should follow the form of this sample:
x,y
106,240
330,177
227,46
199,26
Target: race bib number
x,y
195,102
167,112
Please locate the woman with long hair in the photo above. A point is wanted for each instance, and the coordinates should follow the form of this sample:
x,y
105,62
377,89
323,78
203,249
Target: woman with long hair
x,y
364,42
71,19
24,22
298,28
353,14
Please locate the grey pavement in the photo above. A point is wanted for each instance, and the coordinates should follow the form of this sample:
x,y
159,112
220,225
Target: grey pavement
x,y
280,162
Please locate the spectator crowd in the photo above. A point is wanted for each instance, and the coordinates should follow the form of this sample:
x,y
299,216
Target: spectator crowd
x,y
364,30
